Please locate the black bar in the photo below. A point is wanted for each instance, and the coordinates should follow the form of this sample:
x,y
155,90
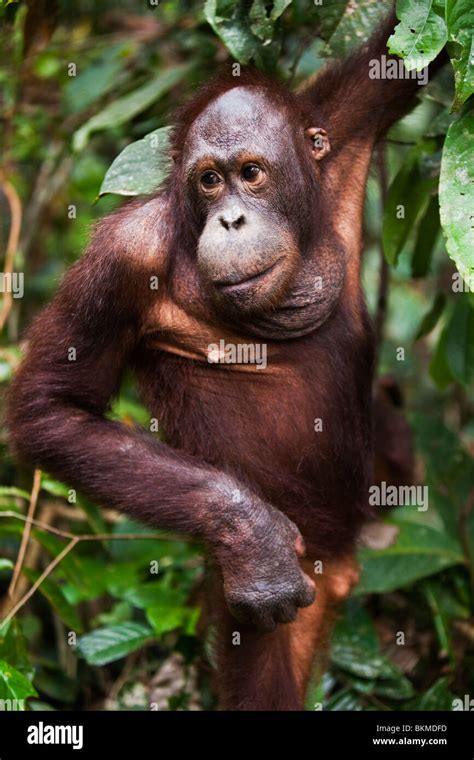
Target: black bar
x,y
133,735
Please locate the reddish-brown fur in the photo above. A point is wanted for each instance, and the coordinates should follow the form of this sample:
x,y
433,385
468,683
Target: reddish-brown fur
x,y
226,429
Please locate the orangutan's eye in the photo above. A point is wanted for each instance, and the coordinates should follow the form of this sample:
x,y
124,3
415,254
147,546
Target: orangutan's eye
x,y
210,179
251,172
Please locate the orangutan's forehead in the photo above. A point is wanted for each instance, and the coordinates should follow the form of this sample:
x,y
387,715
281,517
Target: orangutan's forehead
x,y
241,120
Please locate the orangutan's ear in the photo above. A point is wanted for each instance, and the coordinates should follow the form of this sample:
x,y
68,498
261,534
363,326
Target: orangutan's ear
x,y
320,142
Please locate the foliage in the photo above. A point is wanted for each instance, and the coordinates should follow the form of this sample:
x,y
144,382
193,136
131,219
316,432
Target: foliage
x,y
88,97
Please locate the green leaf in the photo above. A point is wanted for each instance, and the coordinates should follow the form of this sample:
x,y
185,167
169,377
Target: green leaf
x,y
11,527
55,596
6,370
14,647
71,566
279,7
235,31
456,193
124,409
97,79
397,686
420,35
418,551
328,17
126,108
12,491
460,341
5,564
169,553
356,630
108,644
165,607
91,585
440,619
407,197
356,25
14,685
356,650
165,617
345,700
140,167
238,25
449,468
430,320
438,697
427,235
52,682
439,369
440,124
460,21
54,487
460,603
91,577
94,515
37,705
314,693
120,613
262,23
154,595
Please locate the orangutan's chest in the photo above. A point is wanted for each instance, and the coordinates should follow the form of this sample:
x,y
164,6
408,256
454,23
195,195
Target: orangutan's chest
x,y
178,331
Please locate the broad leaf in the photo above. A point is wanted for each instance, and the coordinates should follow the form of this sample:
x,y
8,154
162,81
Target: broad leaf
x,y
356,25
14,647
421,33
12,491
417,552
263,22
235,31
356,650
449,469
345,701
456,194
97,79
426,238
125,108
55,596
155,594
460,341
438,697
167,617
439,369
13,684
407,198
108,644
430,320
140,167
460,21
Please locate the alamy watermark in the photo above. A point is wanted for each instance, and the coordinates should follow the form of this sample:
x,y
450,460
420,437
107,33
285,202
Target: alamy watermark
x,y
12,705
12,282
466,704
394,68
386,495
43,733
463,282
237,353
